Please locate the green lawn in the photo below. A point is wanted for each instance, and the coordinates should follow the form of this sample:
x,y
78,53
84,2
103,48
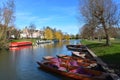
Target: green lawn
x,y
109,54
19,40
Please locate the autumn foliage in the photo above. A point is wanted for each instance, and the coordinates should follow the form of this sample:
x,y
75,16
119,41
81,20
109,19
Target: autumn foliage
x,y
51,34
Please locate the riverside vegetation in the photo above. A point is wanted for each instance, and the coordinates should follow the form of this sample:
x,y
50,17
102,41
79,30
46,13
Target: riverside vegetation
x,y
109,54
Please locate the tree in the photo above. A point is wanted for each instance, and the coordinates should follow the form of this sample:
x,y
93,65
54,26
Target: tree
x,y
8,12
101,12
66,36
77,36
99,33
72,36
6,19
87,32
112,32
12,31
3,40
48,33
32,28
59,35
54,31
0,15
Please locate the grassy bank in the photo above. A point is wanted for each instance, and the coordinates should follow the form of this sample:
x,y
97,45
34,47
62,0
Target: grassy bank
x,y
109,54
19,40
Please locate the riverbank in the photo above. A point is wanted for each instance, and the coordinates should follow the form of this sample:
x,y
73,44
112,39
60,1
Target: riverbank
x,y
109,54
19,40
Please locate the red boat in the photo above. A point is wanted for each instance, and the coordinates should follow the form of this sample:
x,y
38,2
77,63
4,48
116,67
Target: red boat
x,y
18,44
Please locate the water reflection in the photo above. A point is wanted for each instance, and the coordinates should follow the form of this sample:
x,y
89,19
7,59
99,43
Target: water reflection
x,y
55,44
20,63
19,48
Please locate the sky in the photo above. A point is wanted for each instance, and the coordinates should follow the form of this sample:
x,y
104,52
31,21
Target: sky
x,y
59,14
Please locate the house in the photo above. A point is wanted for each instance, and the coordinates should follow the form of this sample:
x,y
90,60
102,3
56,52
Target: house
x,y
25,33
35,34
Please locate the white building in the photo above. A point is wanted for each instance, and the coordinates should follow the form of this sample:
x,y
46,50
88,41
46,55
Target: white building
x,y
36,34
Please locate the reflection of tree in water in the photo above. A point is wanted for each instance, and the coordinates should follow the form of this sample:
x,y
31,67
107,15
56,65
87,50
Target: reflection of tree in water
x,y
61,43
57,44
49,46
66,42
74,42
55,48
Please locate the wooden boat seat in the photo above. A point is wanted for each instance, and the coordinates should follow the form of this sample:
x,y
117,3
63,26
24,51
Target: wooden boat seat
x,y
48,57
61,55
82,55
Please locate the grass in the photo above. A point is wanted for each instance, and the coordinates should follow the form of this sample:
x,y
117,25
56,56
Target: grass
x,y
109,54
19,40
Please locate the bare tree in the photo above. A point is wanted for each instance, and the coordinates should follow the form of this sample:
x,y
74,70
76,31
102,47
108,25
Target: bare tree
x,y
6,18
112,32
103,12
87,31
0,15
8,12
32,28
99,33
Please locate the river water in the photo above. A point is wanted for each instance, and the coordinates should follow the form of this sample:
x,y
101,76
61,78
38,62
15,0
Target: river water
x,y
20,63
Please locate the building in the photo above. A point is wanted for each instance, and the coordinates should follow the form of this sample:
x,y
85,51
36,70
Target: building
x,y
35,34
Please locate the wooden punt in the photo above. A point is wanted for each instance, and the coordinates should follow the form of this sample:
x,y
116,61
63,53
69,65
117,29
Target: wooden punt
x,y
78,61
87,74
76,47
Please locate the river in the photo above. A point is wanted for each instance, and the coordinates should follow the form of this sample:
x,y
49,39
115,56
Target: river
x,y
20,63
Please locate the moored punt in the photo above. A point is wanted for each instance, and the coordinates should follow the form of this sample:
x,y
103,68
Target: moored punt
x,y
18,44
78,61
70,58
75,61
43,42
73,72
83,55
76,47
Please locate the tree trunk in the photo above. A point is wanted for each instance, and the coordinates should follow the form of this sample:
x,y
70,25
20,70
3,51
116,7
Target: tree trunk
x,y
108,40
93,36
107,35
99,38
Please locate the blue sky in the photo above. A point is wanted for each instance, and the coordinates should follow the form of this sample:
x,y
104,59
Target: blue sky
x,y
59,14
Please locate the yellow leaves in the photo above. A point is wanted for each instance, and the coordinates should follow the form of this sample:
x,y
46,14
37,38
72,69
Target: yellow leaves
x,y
48,34
66,37
58,35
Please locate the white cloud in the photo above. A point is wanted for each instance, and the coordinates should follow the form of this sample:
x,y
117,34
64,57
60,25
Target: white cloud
x,y
25,18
